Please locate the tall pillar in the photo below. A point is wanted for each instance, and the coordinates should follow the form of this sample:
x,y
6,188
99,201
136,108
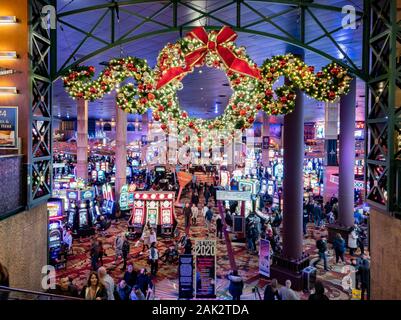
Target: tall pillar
x,y
265,140
290,263
82,139
347,157
331,157
121,150
293,141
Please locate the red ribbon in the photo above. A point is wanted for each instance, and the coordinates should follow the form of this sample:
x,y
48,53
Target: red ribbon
x,y
196,57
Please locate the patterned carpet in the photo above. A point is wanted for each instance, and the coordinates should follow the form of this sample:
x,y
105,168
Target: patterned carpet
x,y
78,265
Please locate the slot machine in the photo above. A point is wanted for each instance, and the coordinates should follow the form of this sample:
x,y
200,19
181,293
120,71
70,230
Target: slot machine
x,y
152,213
85,226
111,205
123,202
131,190
55,241
167,214
71,216
137,219
270,188
94,175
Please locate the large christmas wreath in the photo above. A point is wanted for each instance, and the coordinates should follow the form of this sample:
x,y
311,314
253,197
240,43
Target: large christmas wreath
x,y
252,87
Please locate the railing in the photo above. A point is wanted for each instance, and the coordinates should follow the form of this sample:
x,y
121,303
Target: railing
x,y
7,293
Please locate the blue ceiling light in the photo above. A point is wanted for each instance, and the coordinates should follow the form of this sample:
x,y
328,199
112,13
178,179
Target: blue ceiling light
x,y
216,108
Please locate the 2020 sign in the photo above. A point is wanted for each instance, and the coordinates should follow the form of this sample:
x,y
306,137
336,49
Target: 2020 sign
x,y
205,248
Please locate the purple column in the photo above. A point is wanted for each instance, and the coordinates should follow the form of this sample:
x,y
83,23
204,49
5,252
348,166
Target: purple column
x,y
347,157
293,141
82,139
121,150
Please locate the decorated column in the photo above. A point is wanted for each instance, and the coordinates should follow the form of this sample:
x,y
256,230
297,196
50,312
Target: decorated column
x,y
347,158
82,139
290,263
121,150
265,140
293,141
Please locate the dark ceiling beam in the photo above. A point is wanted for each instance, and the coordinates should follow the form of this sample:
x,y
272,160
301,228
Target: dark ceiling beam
x,y
357,72
307,3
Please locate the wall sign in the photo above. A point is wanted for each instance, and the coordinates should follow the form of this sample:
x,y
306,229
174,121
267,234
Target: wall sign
x,y
186,276
205,251
6,72
8,127
264,257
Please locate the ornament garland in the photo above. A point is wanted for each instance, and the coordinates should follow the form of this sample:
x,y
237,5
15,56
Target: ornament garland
x,y
326,85
132,99
252,87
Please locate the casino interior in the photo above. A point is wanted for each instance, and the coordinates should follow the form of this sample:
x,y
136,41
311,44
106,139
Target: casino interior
x,y
200,149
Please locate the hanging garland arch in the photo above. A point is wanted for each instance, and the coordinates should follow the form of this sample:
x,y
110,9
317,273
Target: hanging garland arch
x,y
253,88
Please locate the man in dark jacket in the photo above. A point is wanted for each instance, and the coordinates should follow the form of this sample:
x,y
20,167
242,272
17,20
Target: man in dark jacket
x,y
187,214
305,220
321,245
195,199
94,253
125,251
219,227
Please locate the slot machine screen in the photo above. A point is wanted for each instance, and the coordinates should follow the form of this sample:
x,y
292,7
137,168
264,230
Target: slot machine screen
x,y
83,218
130,199
152,216
166,213
138,216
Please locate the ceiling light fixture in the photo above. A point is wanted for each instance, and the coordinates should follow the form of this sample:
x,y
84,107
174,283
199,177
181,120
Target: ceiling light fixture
x,y
8,90
6,55
8,19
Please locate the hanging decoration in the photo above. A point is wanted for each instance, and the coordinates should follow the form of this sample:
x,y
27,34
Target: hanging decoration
x,y
253,88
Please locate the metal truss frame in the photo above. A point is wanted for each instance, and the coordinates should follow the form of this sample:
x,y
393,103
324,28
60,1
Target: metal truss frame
x,y
304,7
42,48
383,110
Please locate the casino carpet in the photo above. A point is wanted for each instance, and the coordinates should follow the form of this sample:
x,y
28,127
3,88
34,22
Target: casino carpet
x,y
166,283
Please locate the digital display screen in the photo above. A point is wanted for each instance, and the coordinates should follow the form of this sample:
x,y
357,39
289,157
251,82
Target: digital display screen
x,y
83,218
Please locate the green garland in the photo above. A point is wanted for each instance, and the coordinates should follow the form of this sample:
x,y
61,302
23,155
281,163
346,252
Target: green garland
x,y
250,95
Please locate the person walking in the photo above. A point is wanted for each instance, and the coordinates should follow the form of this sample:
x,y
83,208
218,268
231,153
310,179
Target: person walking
x,y
305,220
321,246
102,252
271,291
364,272
187,215
286,293
195,199
143,282
208,219
107,282
94,289
194,213
352,241
339,248
94,254
236,285
153,258
317,213
319,293
145,238
219,227
207,194
188,247
125,252
118,247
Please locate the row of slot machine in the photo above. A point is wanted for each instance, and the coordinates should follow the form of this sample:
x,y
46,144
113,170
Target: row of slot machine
x,y
153,207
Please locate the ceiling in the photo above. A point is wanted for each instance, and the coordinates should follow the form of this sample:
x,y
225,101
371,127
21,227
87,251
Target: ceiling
x,y
211,100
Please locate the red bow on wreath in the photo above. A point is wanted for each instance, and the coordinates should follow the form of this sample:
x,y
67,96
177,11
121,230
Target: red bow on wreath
x,y
229,58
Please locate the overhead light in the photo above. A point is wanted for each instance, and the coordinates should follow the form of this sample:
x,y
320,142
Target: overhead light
x,y
8,90
8,19
5,55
